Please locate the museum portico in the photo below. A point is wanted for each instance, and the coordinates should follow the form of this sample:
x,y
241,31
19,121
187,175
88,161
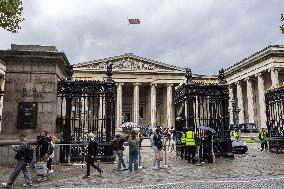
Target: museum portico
x,y
145,88
250,78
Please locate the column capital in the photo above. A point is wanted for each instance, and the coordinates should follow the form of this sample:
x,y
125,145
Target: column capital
x,y
136,84
117,84
274,69
169,84
153,84
259,74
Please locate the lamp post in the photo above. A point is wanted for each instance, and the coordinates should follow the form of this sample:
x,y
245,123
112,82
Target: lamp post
x,y
236,110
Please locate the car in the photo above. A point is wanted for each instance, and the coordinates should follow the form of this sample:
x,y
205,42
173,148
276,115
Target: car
x,y
248,128
238,146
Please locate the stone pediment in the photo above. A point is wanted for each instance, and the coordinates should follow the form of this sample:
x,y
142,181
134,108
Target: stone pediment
x,y
127,62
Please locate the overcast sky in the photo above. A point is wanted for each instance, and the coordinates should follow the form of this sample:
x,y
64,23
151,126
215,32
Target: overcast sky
x,y
204,35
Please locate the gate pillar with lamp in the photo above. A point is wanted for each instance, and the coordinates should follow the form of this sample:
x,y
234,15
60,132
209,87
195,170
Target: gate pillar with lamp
x,y
86,107
205,104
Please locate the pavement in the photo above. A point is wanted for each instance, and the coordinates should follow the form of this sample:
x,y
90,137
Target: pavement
x,y
255,169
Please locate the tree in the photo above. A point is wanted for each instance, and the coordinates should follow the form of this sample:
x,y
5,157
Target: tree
x,y
10,15
282,26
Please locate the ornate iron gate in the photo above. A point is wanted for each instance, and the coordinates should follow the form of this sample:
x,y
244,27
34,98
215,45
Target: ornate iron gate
x,y
275,118
205,105
87,107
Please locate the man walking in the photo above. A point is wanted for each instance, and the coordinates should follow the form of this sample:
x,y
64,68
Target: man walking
x,y
157,146
118,149
92,152
21,163
263,136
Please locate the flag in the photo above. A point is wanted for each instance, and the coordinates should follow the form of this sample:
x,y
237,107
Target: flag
x,y
133,21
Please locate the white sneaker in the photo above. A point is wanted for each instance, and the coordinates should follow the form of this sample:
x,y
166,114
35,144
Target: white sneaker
x,y
27,185
5,185
51,171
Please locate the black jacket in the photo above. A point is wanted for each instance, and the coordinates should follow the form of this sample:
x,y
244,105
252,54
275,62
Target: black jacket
x,y
118,144
43,145
93,148
21,150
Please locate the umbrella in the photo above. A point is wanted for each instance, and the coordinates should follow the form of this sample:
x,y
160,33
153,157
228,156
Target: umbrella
x,y
204,127
129,124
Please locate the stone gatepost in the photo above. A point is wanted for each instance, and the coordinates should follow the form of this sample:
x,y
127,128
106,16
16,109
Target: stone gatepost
x,y
30,99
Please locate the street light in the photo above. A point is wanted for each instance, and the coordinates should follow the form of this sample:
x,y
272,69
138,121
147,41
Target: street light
x,y
236,110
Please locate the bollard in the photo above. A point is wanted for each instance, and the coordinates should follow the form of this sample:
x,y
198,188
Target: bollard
x,y
69,155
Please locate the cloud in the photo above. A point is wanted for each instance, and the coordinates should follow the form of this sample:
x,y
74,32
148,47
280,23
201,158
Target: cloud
x,y
204,35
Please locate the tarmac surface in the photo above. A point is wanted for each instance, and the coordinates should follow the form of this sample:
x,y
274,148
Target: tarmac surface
x,y
255,169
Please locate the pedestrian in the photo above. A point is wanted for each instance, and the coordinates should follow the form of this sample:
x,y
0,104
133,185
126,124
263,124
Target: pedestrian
x,y
133,143
158,145
191,145
173,139
92,152
21,152
140,137
235,134
118,149
45,150
51,156
167,136
183,149
263,136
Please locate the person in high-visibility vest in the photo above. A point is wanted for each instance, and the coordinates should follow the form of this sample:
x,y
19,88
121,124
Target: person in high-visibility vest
x,y
183,149
235,134
263,136
191,145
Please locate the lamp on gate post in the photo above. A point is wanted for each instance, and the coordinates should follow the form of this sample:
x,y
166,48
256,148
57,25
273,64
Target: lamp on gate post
x,y
236,110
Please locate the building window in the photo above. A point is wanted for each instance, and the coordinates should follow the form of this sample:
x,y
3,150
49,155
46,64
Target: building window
x,y
141,112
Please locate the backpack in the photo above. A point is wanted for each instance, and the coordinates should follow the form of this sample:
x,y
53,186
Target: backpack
x,y
29,154
158,141
50,149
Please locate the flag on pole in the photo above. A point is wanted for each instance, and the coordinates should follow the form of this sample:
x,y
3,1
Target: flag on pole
x,y
133,21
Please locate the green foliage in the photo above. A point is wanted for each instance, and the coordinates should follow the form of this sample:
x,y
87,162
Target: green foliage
x,y
10,15
282,26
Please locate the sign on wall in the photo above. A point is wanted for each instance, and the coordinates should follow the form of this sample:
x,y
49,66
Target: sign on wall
x,y
27,115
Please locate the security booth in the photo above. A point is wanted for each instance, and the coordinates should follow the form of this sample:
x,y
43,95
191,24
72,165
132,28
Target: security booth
x,y
205,105
274,99
86,107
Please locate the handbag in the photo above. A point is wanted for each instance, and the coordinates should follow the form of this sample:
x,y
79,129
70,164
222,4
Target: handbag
x,y
45,157
160,155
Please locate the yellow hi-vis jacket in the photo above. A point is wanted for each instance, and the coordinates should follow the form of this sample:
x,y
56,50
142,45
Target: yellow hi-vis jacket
x,y
182,138
190,141
235,135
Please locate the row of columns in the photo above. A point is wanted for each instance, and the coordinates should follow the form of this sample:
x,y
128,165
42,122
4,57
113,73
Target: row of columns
x,y
249,96
153,104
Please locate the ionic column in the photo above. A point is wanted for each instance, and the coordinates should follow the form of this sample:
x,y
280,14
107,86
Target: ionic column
x,y
153,104
261,101
250,101
169,105
136,103
118,104
274,77
231,94
240,102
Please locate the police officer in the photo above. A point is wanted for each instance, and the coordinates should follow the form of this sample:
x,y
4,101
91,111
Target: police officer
x,y
183,148
191,145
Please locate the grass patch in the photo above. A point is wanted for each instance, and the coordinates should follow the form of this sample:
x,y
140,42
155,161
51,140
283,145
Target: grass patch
x,y
250,140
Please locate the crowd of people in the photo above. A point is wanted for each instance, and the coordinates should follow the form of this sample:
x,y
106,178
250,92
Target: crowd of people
x,y
160,138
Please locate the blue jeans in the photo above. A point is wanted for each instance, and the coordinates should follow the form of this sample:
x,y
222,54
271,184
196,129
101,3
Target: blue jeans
x,y
133,158
20,166
156,162
120,160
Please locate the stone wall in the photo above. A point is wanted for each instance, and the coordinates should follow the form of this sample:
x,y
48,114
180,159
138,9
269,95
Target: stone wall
x,y
32,76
